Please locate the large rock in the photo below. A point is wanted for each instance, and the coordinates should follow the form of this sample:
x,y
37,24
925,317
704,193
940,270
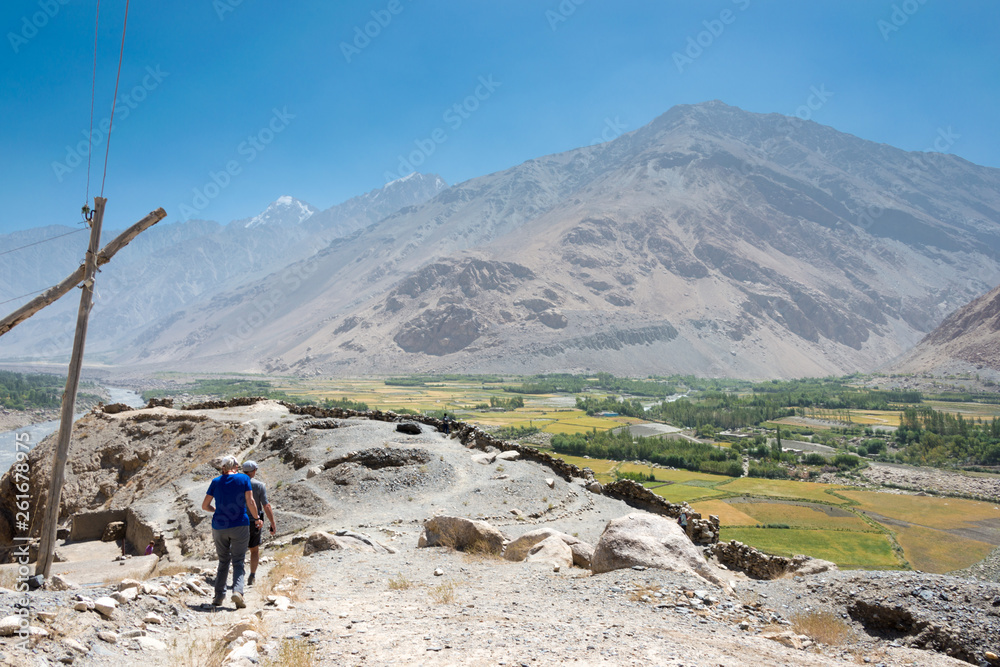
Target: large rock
x,y
462,534
650,540
519,548
551,550
343,539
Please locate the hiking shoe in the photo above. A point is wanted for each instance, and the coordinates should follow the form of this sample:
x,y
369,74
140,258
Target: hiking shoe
x,y
217,602
250,579
238,601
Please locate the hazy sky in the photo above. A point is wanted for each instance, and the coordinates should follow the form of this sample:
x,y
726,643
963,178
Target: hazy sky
x,y
225,105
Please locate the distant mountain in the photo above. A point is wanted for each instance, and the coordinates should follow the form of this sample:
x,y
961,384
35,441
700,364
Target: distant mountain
x,y
171,267
285,211
711,241
967,341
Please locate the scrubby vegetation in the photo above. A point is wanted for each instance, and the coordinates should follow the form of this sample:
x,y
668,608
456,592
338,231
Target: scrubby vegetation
x,y
23,391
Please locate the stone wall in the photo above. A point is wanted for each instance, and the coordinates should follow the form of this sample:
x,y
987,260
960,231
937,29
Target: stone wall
x,y
757,564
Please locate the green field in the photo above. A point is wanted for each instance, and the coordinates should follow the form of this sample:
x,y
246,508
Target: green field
x,y
677,493
803,516
849,550
779,488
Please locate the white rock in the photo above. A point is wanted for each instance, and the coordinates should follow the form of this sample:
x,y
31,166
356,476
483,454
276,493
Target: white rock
x,y
108,636
60,583
126,595
551,550
74,645
10,625
438,572
239,629
509,455
105,606
312,472
45,616
551,482
282,603
129,583
150,644
83,606
248,651
252,635
484,458
153,618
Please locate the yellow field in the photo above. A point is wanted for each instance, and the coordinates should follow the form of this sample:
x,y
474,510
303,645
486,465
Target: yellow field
x,y
943,513
728,514
676,493
983,410
800,516
938,552
597,465
849,550
779,488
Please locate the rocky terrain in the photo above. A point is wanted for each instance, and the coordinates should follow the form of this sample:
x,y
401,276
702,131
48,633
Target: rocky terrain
x,y
711,241
965,342
359,575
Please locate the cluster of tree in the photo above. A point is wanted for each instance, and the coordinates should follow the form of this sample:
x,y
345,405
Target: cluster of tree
x,y
423,380
576,384
929,437
20,391
676,453
593,405
723,410
515,432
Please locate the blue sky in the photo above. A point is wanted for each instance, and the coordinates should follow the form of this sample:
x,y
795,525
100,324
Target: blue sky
x,y
225,105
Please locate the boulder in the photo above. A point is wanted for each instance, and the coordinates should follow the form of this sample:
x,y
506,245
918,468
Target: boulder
x,y
409,428
595,487
248,651
10,625
650,540
509,455
150,644
551,550
60,583
484,458
462,534
519,548
323,541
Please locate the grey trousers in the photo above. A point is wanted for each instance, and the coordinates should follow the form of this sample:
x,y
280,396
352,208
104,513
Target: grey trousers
x,y
231,546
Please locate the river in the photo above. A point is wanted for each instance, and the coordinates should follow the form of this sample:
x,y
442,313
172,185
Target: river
x,y
38,432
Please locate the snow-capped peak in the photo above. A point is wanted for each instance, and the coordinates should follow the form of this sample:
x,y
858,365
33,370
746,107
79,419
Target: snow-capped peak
x,y
285,211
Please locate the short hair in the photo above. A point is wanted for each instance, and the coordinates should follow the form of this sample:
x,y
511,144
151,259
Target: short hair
x,y
249,466
228,464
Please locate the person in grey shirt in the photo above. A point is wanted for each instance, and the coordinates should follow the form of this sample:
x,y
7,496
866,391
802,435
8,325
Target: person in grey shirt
x,y
259,490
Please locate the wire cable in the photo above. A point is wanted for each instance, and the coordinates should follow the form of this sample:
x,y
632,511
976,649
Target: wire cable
x,y
51,238
24,295
93,89
114,101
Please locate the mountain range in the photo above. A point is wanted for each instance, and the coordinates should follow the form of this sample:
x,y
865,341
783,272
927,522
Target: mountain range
x,y
712,241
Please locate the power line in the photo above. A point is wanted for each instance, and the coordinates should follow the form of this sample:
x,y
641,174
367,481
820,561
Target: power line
x,y
93,88
51,238
114,101
24,295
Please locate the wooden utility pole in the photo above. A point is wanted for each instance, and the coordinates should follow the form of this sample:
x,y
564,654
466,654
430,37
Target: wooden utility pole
x,y
47,547
50,295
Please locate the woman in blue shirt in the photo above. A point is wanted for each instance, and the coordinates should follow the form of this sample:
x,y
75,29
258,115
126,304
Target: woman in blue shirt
x,y
233,497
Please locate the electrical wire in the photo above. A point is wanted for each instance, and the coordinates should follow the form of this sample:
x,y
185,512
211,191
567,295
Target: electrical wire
x,y
93,89
51,238
114,101
24,295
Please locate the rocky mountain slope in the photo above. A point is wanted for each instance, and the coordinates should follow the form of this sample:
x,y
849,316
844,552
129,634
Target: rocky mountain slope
x,y
351,577
175,265
967,341
711,241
